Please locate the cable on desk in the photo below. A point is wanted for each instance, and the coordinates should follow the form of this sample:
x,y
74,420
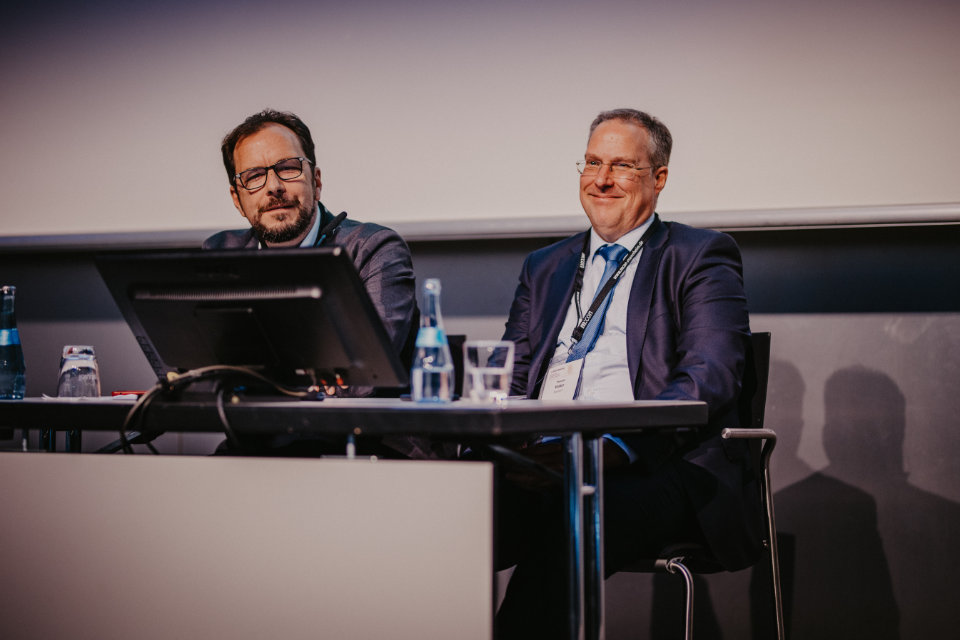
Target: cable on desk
x,y
227,429
228,379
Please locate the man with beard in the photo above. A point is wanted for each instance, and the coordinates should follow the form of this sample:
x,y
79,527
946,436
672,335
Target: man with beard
x,y
275,184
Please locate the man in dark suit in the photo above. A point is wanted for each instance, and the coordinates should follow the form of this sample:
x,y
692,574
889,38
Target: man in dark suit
x,y
275,184
673,325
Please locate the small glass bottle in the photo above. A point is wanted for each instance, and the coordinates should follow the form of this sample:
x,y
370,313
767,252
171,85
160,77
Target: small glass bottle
x,y
12,370
431,378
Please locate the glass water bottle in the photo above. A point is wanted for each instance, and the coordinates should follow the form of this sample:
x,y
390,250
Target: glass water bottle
x,y
432,373
13,379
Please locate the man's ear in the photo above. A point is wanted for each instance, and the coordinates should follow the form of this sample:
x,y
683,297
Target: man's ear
x,y
236,200
316,183
661,177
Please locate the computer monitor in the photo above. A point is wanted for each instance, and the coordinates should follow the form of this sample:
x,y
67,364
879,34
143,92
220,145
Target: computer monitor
x,y
292,314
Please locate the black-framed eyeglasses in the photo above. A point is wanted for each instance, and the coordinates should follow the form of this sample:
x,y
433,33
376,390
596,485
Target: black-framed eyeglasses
x,y
286,169
623,170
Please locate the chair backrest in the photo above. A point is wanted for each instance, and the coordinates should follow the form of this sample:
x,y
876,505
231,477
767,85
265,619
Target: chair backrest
x,y
752,402
753,394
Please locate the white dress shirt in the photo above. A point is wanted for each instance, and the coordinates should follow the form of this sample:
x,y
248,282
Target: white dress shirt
x,y
605,374
311,238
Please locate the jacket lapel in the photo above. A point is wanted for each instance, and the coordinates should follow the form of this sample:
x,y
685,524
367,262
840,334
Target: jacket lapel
x,y
641,295
559,290
250,240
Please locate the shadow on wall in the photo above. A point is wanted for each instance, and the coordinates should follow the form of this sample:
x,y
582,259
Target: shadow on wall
x,y
864,553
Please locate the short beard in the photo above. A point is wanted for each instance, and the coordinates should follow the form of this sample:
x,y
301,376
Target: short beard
x,y
288,231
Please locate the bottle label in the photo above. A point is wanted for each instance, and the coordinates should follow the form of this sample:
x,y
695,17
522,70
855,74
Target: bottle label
x,y
431,337
9,337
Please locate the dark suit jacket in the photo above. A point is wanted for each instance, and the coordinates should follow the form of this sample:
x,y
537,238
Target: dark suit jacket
x,y
686,340
383,261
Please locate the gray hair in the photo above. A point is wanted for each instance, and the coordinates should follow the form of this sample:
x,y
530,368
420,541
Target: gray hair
x,y
660,140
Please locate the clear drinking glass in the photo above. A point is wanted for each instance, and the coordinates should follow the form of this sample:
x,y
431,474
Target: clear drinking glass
x,y
79,373
488,365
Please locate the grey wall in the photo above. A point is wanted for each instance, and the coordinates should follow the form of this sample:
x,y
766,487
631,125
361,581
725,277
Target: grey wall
x,y
863,394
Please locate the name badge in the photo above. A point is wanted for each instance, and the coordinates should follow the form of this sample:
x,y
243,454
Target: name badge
x,y
561,381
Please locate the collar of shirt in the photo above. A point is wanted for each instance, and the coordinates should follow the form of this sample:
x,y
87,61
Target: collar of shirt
x,y
311,238
596,264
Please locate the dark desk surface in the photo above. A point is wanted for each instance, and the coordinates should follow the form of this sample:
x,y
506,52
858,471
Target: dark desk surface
x,y
367,415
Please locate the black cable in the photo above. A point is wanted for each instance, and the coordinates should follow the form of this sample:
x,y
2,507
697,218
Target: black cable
x,y
227,429
175,383
134,415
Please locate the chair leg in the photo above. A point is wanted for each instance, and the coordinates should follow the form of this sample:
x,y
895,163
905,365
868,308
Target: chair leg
x,y
774,551
675,565
777,593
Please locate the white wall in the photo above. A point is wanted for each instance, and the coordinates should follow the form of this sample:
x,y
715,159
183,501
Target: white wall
x,y
442,110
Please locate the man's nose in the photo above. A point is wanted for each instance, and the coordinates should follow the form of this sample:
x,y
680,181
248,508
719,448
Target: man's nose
x,y
604,177
274,184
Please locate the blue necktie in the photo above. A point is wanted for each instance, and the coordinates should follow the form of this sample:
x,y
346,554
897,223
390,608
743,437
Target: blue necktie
x,y
613,254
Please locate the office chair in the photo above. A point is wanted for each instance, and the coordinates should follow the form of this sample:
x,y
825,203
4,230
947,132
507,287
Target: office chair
x,y
689,558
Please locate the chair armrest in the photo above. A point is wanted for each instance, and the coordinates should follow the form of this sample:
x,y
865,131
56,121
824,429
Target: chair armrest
x,y
749,434
769,438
